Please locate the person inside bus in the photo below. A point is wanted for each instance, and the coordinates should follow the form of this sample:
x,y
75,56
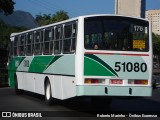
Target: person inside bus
x,y
95,46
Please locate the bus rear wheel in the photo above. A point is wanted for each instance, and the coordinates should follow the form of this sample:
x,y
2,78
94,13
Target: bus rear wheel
x,y
48,93
17,91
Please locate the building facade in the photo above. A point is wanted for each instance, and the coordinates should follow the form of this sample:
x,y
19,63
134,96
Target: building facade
x,y
135,8
154,16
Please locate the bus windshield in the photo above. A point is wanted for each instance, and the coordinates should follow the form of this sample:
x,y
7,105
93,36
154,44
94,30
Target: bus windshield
x,y
116,33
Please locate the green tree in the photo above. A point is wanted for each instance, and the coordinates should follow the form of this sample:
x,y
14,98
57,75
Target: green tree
x,y
156,44
5,32
156,48
46,19
60,16
7,6
42,19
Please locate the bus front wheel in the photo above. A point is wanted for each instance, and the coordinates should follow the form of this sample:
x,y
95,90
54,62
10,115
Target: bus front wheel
x,y
17,91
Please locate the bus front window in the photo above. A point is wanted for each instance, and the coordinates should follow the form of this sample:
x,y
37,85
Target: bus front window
x,y
116,33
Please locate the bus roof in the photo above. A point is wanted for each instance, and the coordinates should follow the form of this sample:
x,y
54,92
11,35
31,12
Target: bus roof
x,y
72,19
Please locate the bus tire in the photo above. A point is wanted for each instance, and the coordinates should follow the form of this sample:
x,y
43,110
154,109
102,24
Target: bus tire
x,y
48,93
17,91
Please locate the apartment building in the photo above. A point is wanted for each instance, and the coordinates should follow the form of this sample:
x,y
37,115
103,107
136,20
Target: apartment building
x,y
134,8
154,16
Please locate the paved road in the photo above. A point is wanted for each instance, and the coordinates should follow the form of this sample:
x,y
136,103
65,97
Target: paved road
x,y
9,101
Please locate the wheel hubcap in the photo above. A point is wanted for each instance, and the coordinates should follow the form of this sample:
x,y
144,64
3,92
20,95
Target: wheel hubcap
x,y
48,92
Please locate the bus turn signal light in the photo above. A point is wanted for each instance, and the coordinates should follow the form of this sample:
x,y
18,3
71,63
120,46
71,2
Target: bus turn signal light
x,y
138,82
142,82
94,81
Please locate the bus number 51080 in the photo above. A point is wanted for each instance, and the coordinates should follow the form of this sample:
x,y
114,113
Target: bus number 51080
x,y
130,67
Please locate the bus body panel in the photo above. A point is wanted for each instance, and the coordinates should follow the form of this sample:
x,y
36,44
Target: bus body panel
x,y
103,65
79,58
124,64
118,66
105,90
32,71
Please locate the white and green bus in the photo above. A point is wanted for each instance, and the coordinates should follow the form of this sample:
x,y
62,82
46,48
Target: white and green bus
x,y
95,55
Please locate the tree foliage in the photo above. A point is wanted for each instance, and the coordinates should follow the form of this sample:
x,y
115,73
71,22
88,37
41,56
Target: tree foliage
x,y
156,44
7,6
5,32
46,19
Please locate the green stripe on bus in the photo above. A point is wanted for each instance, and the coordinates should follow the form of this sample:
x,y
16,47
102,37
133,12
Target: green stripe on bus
x,y
97,59
22,58
40,63
13,65
52,61
93,68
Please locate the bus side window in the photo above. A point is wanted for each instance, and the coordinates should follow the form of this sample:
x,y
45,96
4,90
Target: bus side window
x,y
41,41
70,34
58,40
53,38
10,48
29,44
16,51
37,45
47,49
67,38
22,45
74,37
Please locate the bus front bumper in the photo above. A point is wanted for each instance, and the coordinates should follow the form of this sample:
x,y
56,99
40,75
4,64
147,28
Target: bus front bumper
x,y
97,90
